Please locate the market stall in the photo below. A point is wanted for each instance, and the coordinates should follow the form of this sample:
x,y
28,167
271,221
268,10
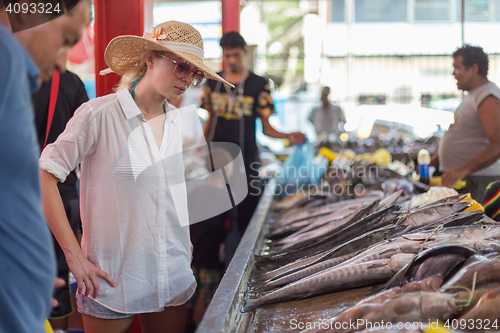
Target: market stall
x,y
308,262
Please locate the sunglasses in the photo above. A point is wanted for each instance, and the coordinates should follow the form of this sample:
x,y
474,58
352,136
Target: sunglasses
x,y
182,70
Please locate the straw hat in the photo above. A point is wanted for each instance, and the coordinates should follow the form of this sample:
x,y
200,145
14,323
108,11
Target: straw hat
x,y
123,52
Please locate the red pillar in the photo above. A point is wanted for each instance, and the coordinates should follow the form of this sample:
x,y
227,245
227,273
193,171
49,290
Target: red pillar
x,y
230,15
114,18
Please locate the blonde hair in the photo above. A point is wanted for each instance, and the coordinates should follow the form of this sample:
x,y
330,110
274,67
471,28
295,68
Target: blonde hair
x,y
138,71
134,73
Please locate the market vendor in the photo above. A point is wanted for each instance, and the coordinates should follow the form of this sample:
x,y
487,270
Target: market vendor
x,y
233,112
327,117
470,149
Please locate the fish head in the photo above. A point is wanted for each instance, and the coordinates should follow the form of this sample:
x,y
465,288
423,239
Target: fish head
x,y
483,231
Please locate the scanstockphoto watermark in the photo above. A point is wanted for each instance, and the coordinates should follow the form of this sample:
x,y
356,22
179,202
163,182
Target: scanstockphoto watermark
x,y
219,186
223,182
298,180
347,188
313,171
360,324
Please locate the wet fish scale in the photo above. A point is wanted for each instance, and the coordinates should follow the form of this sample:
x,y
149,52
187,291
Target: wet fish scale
x,y
331,280
305,272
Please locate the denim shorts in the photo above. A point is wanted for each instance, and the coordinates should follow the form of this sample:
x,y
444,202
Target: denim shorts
x,y
88,306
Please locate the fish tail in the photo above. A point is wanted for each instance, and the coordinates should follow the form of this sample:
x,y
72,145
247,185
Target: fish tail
x,y
251,305
260,286
259,278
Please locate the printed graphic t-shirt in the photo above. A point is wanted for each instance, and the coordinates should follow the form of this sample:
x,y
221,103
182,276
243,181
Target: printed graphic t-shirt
x,y
250,101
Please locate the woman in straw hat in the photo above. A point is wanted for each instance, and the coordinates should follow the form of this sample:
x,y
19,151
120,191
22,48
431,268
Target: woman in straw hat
x,y
135,253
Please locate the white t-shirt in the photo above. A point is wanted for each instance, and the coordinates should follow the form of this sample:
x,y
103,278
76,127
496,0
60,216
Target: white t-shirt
x,y
134,211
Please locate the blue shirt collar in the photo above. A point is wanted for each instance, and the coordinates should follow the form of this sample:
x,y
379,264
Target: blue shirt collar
x,y
33,72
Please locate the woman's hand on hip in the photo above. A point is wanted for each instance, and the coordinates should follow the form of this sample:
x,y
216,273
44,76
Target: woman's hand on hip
x,y
86,275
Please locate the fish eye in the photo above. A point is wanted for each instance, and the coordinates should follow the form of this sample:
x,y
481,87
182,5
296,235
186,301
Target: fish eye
x,y
484,227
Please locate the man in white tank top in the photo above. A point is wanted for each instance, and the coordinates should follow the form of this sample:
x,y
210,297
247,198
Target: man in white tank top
x,y
470,149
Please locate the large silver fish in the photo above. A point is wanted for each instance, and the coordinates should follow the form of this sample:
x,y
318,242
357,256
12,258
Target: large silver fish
x,y
310,223
487,271
336,218
456,234
453,220
333,279
357,226
322,266
432,214
438,260
343,252
317,211
455,198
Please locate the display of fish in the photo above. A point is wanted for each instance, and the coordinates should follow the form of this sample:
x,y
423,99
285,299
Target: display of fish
x,y
322,249
322,266
338,255
308,235
402,307
335,279
349,231
294,216
299,266
292,230
342,233
437,261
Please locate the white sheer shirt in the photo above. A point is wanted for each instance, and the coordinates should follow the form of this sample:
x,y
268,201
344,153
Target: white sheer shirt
x,y
133,201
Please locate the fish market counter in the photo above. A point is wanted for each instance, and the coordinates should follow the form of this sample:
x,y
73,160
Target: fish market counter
x,y
326,263
224,312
